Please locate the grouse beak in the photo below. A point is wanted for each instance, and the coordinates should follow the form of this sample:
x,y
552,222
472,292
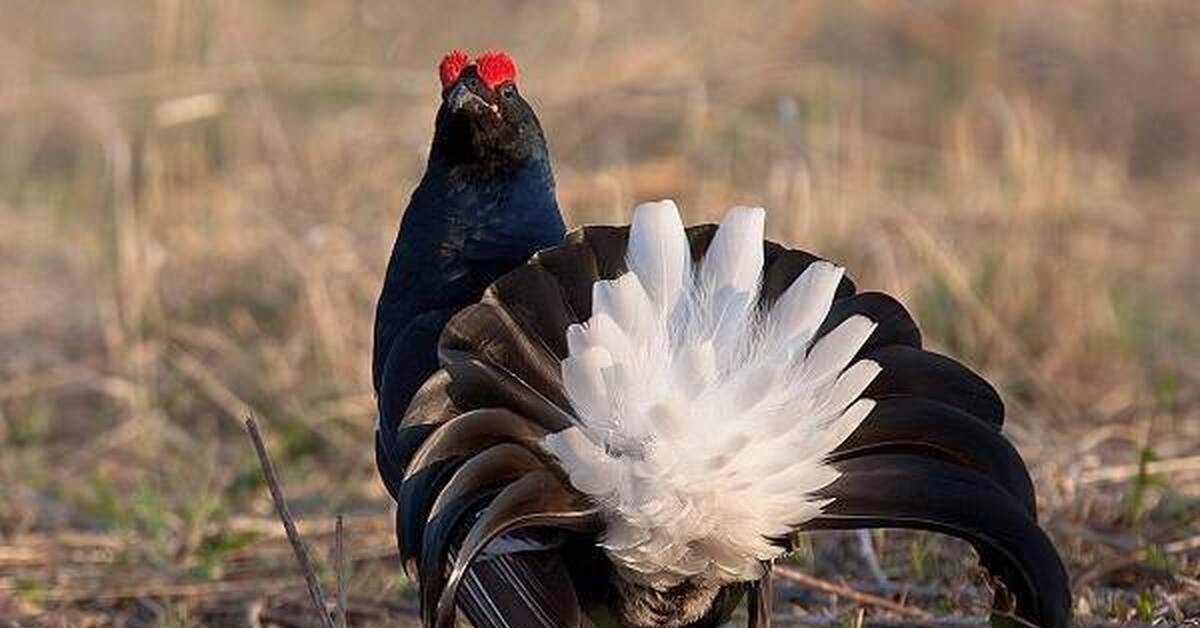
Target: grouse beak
x,y
463,99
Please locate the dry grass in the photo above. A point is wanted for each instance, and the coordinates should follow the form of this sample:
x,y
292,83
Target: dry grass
x,y
197,200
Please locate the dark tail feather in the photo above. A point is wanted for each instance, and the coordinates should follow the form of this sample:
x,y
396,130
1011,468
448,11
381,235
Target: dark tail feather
x,y
911,372
470,486
538,499
389,472
440,455
475,384
781,266
895,325
904,491
526,590
932,429
532,296
608,245
488,332
574,269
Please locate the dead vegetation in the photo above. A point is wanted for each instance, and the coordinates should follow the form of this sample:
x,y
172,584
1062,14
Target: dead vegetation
x,y
197,200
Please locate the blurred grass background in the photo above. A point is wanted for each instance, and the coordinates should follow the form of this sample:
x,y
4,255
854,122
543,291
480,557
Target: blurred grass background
x,y
197,201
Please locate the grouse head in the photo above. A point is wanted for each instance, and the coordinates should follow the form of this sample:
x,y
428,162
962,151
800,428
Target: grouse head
x,y
483,119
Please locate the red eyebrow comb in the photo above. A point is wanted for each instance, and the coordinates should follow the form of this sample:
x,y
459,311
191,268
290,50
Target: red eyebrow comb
x,y
451,66
496,68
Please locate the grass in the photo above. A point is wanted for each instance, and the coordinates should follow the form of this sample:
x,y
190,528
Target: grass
x,y
197,200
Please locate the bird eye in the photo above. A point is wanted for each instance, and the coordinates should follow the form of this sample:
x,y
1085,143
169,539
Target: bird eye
x,y
508,91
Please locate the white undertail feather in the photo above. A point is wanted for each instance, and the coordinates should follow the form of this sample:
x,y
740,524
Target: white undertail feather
x,y
704,423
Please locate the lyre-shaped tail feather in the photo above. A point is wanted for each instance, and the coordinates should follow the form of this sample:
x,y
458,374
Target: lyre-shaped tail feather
x,y
911,491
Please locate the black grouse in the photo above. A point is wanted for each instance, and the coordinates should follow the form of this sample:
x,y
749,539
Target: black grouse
x,y
627,425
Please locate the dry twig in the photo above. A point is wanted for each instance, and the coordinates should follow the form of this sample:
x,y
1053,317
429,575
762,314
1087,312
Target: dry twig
x,y
289,525
859,597
1118,472
1130,557
178,590
339,565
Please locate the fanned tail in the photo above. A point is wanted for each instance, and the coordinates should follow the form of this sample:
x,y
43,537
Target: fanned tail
x,y
616,391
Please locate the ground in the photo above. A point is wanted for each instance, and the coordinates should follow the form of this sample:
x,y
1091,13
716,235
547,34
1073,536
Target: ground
x,y
197,200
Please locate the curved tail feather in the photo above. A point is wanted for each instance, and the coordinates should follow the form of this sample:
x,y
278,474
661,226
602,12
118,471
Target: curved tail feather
x,y
913,372
903,491
442,454
537,499
932,429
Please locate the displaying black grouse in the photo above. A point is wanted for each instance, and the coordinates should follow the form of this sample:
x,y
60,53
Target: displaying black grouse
x,y
628,425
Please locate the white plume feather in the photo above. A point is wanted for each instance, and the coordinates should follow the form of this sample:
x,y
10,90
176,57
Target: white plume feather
x,y
658,252
704,424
